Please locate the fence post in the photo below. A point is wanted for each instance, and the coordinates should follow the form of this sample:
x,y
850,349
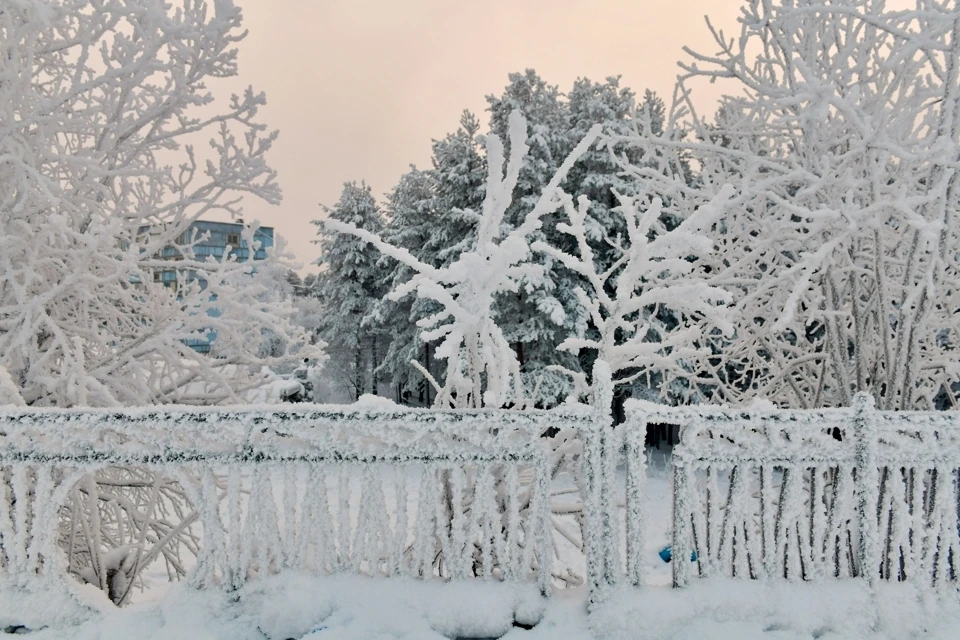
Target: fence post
x,y
592,509
636,480
681,546
599,453
868,479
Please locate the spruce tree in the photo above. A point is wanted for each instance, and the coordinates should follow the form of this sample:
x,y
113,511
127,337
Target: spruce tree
x,y
459,172
350,284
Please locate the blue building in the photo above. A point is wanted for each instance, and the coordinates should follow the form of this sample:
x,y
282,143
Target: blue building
x,y
217,239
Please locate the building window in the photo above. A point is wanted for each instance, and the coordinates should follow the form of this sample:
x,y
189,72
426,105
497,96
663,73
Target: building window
x,y
233,239
157,276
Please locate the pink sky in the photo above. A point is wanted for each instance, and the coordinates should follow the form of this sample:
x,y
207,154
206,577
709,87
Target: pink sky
x,y
358,88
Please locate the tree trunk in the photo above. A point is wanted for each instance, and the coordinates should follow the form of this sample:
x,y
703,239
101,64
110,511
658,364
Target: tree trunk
x,y
373,367
358,372
426,383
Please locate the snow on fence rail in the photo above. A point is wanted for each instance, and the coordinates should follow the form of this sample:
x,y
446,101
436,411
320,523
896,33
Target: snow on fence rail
x,y
451,494
812,495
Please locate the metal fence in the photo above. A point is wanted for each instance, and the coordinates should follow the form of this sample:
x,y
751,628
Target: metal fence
x,y
469,495
813,495
461,495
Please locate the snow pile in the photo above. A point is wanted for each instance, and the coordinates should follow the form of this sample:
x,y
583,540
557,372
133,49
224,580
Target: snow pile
x,y
734,609
296,605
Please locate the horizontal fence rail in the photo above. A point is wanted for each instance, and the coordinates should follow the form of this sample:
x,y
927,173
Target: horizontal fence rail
x,y
813,495
252,491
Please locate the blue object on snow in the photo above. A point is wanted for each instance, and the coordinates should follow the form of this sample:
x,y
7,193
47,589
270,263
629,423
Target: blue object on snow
x,y
666,554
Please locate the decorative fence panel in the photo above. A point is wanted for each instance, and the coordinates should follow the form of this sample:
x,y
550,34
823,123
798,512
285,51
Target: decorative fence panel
x,y
813,495
251,491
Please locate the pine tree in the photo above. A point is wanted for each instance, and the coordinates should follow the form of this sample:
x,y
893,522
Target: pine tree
x,y
429,214
349,286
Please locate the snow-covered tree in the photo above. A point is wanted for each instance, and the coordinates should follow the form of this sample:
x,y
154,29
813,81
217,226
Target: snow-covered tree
x,y
482,366
652,307
598,177
411,225
537,315
100,105
459,176
351,283
429,214
841,137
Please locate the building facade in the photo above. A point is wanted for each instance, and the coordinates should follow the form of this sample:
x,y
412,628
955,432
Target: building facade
x,y
208,239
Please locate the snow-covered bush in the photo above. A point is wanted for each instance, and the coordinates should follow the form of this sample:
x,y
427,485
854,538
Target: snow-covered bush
x,y
117,521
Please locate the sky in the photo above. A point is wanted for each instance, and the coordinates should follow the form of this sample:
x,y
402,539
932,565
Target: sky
x,y
359,88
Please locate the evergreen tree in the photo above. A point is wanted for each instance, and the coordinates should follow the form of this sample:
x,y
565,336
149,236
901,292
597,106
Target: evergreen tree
x,y
459,172
412,223
431,214
351,282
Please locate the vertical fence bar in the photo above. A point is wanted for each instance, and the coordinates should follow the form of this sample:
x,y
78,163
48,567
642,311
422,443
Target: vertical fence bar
x,y
593,510
611,443
682,545
636,482
540,508
864,429
6,523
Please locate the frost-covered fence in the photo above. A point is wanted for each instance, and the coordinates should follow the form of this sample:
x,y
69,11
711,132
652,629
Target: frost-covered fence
x,y
375,491
813,495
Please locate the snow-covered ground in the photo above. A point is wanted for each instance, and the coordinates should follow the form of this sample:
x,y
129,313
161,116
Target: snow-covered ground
x,y
300,606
